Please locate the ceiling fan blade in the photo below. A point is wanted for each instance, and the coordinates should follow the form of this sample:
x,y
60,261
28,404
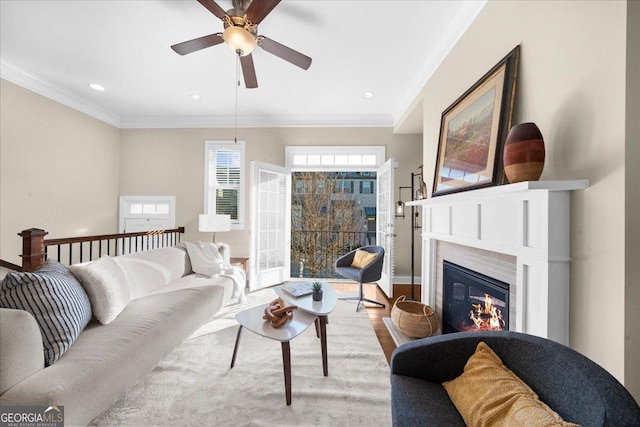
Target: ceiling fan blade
x,y
197,44
284,52
214,8
258,9
249,72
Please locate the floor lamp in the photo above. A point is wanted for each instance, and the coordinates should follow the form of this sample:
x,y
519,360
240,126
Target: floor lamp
x,y
208,223
415,195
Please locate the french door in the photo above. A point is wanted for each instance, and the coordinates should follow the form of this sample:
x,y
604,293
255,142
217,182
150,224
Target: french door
x,y
384,223
270,261
270,252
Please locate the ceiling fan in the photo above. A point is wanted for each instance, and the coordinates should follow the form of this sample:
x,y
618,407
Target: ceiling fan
x,y
241,35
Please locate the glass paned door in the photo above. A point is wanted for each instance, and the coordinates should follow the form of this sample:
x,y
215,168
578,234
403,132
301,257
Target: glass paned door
x,y
270,225
384,223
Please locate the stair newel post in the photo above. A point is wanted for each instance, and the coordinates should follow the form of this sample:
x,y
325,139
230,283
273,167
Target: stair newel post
x,y
32,248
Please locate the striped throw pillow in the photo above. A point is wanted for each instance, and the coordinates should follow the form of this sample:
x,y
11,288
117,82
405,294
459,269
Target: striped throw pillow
x,y
55,298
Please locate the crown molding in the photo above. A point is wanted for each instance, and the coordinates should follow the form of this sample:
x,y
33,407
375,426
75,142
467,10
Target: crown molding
x,y
42,87
47,89
257,121
456,28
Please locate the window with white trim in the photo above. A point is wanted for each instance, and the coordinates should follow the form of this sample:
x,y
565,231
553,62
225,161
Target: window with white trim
x,y
335,158
224,180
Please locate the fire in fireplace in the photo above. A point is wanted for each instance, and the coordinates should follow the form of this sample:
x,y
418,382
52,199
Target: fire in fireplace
x,y
473,301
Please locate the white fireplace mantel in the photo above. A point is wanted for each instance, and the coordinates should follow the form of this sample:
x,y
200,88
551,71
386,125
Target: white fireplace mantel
x,y
528,220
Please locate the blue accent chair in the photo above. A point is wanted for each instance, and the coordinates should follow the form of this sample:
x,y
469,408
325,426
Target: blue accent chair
x,y
578,389
369,273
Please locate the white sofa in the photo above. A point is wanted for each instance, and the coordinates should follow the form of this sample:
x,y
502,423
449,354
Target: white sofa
x,y
168,303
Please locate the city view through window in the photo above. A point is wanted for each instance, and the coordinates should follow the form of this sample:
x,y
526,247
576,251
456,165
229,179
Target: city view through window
x,y
332,213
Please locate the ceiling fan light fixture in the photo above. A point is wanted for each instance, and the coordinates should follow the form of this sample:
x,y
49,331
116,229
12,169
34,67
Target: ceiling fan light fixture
x,y
239,40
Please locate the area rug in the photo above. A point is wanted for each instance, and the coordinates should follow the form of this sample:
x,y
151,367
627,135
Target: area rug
x,y
195,386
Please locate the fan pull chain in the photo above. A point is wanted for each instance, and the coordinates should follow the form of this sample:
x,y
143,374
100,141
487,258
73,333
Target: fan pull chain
x,y
235,135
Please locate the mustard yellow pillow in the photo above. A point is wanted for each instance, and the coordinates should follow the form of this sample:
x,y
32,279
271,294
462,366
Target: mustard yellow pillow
x,y
362,258
489,394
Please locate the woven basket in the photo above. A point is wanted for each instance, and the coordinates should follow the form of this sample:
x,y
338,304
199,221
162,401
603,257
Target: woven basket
x,y
413,318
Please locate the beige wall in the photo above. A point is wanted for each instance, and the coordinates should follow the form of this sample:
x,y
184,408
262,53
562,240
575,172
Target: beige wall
x,y
170,162
59,170
63,171
632,198
572,84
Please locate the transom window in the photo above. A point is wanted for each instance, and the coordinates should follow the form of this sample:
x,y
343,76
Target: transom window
x,y
335,158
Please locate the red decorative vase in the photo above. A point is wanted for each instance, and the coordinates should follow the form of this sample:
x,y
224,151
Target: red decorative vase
x,y
524,153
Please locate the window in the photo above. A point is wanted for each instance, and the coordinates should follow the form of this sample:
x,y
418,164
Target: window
x,y
149,208
296,215
302,187
344,186
143,213
224,180
335,158
366,187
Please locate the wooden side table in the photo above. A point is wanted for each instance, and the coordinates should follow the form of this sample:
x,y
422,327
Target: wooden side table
x,y
239,261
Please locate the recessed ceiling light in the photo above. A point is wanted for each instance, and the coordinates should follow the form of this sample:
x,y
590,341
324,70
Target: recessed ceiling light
x,y
196,97
96,86
367,94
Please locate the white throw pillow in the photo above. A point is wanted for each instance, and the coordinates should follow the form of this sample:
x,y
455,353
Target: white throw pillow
x,y
143,275
205,258
106,285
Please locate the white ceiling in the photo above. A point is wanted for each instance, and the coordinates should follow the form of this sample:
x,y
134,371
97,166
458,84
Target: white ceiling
x,y
390,48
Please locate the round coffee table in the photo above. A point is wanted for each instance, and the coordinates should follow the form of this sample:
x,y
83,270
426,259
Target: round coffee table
x,y
252,320
322,309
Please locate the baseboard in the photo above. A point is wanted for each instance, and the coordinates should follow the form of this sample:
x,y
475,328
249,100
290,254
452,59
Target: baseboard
x,y
406,280
405,290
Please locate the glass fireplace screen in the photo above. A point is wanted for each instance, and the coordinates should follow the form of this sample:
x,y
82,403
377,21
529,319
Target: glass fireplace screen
x,y
473,301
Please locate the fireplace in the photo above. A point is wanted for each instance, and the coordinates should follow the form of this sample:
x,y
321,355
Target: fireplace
x,y
473,301
528,221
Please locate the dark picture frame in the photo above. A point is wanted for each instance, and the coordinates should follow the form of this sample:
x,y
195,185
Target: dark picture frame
x,y
473,130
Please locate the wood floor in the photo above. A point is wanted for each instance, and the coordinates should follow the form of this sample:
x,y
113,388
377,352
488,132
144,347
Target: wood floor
x,y
377,313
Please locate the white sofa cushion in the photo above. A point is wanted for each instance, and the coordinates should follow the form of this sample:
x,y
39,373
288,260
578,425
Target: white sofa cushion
x,y
21,352
174,259
143,276
200,280
205,258
106,286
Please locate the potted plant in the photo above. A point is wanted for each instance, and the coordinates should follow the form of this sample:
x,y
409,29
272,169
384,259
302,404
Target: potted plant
x,y
317,291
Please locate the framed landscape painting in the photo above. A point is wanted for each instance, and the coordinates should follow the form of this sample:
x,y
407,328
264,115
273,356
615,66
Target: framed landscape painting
x,y
473,130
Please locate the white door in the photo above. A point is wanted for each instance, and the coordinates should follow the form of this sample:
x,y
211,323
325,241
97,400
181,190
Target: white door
x,y
144,213
384,223
270,261
133,225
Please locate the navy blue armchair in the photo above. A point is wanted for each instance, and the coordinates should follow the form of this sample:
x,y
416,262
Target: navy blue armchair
x,y
578,389
369,273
